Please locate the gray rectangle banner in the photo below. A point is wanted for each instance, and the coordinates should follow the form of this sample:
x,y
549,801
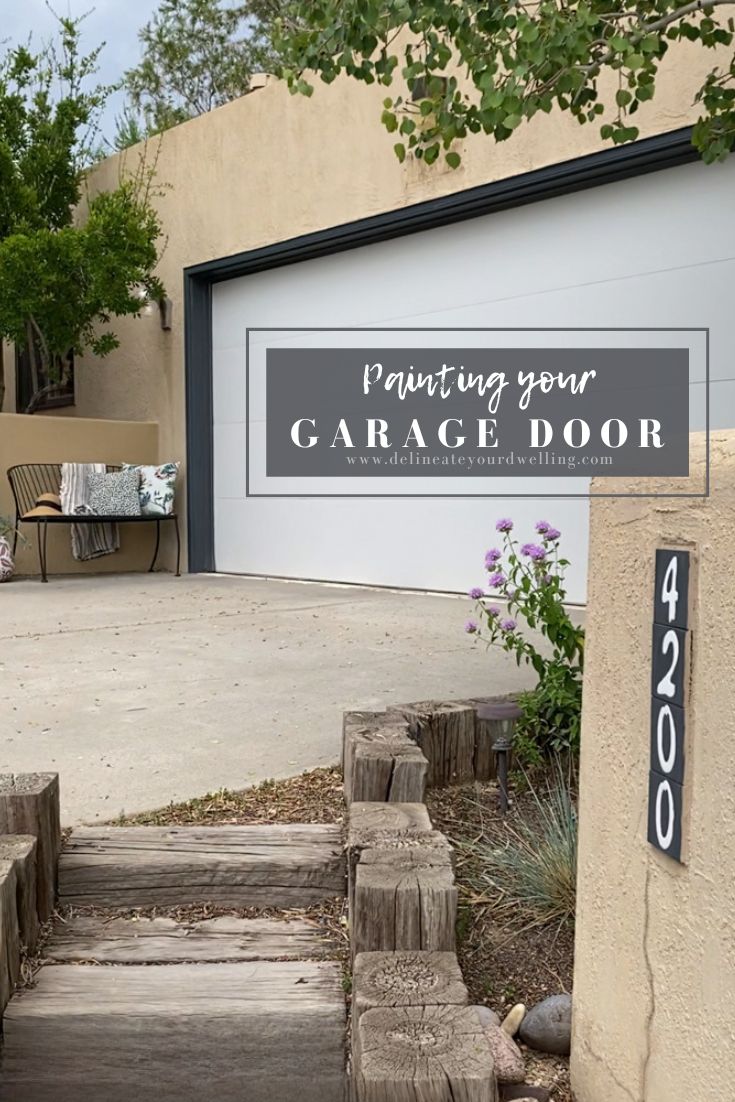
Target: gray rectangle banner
x,y
459,412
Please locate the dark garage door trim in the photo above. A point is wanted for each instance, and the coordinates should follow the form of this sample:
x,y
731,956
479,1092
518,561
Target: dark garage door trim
x,y
649,155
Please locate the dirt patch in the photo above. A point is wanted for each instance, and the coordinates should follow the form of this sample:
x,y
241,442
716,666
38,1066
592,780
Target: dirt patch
x,y
505,959
313,797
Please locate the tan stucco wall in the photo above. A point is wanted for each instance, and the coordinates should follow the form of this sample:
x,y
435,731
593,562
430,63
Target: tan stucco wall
x,y
272,166
655,954
50,439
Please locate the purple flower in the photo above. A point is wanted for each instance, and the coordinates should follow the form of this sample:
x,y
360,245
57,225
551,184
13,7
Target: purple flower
x,y
542,527
491,557
470,627
505,524
547,579
497,578
493,611
476,593
508,625
533,551
552,534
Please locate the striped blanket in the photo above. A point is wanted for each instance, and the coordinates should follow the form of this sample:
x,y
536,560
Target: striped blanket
x,y
88,541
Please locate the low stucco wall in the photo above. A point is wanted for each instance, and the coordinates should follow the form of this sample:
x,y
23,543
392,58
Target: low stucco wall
x,y
655,952
35,439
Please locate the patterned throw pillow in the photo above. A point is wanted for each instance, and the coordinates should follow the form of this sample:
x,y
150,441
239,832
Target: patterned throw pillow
x,y
6,561
157,488
114,494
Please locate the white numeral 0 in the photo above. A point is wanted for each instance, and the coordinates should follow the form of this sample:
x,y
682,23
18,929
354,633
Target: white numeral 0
x,y
665,718
669,594
666,686
665,840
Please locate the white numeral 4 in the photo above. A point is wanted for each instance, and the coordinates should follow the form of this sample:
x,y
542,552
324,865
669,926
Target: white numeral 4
x,y
669,594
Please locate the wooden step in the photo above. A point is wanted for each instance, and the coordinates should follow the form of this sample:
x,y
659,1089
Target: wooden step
x,y
260,1032
232,866
165,941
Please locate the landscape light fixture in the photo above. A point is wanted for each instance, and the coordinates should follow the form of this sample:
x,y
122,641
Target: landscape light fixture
x,y
501,717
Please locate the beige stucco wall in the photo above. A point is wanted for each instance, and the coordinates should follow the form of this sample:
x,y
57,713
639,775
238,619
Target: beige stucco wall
x,y
50,439
655,954
272,166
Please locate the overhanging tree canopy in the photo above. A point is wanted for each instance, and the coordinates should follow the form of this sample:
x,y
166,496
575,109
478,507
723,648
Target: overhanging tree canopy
x,y
520,58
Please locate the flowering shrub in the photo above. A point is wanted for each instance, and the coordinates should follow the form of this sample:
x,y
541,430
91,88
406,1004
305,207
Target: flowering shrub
x,y
529,578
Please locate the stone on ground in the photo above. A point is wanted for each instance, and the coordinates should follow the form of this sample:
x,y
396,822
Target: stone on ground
x,y
509,1065
512,1020
547,1027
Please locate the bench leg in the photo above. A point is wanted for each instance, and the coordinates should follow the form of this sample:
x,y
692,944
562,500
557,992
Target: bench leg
x,y
178,547
158,541
42,549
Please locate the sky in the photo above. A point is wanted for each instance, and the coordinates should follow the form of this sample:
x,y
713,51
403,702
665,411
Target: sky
x,y
115,22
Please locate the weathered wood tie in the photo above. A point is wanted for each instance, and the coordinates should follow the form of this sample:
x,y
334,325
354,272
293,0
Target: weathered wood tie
x,y
29,804
380,761
446,735
406,979
404,899
165,941
20,849
9,933
259,1031
388,825
233,866
422,1054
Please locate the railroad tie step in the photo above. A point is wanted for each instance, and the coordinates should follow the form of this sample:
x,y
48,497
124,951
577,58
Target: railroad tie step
x,y
289,866
261,1031
108,940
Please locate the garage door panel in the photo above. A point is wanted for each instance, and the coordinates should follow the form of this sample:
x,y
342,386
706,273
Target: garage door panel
x,y
626,254
438,545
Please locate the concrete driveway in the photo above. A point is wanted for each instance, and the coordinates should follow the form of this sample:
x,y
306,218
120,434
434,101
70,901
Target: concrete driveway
x,y
142,689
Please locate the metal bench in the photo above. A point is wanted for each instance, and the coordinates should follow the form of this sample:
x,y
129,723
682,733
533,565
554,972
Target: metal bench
x,y
29,480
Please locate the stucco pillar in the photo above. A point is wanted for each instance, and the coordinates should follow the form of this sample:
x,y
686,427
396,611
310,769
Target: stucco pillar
x,y
654,989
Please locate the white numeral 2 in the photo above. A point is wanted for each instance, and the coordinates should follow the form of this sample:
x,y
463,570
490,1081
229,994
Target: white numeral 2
x,y
666,686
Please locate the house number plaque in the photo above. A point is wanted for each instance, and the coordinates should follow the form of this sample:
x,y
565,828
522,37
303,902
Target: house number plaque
x,y
668,701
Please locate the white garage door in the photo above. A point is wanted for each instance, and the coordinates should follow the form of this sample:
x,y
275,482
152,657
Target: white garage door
x,y
655,251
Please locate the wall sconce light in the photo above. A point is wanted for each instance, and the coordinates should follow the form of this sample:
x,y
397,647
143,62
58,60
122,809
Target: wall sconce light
x,y
500,717
166,310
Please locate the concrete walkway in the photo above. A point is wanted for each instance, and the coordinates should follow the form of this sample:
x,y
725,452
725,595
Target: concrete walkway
x,y
142,689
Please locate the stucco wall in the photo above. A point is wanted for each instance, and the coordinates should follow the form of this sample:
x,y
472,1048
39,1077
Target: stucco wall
x,y
271,166
655,953
47,439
